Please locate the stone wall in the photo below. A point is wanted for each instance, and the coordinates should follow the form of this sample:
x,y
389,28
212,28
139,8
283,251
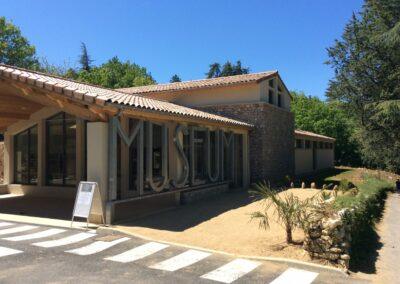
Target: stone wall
x,y
1,162
271,141
328,238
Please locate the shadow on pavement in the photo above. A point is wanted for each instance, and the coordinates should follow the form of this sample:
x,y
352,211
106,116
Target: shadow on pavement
x,y
190,215
37,206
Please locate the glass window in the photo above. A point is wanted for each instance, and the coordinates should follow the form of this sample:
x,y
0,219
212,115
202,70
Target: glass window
x,y
279,100
321,145
299,143
200,155
271,97
61,150
308,144
26,156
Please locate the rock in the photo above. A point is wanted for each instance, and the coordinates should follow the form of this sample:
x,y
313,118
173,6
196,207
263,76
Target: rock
x,y
335,250
324,187
335,188
325,232
332,224
345,257
313,185
303,185
344,263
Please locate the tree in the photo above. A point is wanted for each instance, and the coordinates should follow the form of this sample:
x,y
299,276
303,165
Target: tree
x,y
84,58
228,69
327,118
287,209
214,71
14,48
175,79
116,74
366,61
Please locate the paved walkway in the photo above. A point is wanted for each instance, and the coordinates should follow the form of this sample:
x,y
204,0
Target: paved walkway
x,y
41,254
388,266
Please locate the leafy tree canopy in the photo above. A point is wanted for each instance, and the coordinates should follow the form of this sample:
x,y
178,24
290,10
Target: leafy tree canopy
x,y
175,79
15,48
113,74
366,61
228,69
327,118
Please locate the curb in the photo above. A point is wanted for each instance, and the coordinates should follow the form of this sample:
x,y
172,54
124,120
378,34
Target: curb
x,y
264,258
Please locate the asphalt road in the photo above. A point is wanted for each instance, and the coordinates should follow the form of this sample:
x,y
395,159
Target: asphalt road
x,y
57,255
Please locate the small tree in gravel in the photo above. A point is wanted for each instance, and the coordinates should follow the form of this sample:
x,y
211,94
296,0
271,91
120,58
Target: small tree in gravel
x,y
288,209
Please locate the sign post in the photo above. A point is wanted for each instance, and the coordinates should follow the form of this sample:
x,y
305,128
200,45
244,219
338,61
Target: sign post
x,y
84,201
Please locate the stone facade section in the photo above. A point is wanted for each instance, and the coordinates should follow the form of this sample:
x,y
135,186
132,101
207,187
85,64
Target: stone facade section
x,y
1,162
271,144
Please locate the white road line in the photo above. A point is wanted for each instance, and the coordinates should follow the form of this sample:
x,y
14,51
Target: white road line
x,y
232,270
293,275
43,234
17,229
96,247
182,260
65,241
7,251
138,252
5,224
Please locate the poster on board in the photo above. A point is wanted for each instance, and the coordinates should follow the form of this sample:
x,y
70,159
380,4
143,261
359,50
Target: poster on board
x,y
84,200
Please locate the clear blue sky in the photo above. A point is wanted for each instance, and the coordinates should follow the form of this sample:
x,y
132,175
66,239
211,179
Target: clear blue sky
x,y
184,37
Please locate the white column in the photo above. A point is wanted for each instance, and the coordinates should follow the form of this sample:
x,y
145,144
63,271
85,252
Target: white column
x,y
97,164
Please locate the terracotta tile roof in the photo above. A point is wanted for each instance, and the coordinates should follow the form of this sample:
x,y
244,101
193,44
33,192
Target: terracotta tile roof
x,y
312,134
200,84
101,96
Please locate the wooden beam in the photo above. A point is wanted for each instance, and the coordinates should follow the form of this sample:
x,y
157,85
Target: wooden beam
x,y
47,98
14,115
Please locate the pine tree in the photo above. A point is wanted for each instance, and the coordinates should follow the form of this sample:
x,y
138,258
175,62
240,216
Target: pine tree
x,y
175,79
214,71
84,59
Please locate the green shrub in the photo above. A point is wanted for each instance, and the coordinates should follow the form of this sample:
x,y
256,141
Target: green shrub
x,y
365,209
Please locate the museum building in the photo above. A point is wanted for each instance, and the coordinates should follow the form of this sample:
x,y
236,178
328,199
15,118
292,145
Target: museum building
x,y
150,147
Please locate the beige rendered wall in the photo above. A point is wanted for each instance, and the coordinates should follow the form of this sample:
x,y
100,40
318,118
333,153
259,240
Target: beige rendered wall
x,y
219,95
303,161
1,162
325,158
97,165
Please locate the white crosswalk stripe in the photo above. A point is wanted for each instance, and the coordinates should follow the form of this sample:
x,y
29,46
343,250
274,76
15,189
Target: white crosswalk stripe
x,y
293,275
8,251
232,270
43,234
97,247
182,260
65,241
17,229
138,252
5,224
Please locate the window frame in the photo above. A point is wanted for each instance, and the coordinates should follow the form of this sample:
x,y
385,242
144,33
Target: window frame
x,y
28,130
64,154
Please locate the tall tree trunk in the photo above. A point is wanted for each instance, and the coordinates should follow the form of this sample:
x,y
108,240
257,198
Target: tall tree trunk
x,y
289,238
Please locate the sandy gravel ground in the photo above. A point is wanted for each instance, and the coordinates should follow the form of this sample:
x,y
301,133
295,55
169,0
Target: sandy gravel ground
x,y
222,224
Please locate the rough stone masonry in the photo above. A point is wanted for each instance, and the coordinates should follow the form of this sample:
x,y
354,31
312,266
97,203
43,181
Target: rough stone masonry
x,y
271,140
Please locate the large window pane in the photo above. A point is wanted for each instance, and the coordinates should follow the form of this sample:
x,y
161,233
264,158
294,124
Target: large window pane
x,y
61,150
70,150
200,155
25,157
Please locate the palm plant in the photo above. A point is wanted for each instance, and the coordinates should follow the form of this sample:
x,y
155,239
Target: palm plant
x,y
288,209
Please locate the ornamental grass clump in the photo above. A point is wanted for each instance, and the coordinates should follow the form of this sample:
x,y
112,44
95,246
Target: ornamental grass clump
x,y
287,209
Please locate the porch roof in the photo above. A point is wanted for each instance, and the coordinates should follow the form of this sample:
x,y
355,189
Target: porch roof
x,y
304,133
91,94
